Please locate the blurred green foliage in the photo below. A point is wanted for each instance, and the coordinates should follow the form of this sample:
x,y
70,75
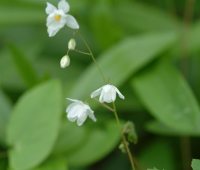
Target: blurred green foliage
x,y
149,48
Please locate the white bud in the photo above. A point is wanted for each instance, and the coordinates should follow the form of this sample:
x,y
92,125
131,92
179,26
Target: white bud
x,y
65,61
71,44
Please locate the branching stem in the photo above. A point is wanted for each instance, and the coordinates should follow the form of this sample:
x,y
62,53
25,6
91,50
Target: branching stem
x,y
113,110
93,58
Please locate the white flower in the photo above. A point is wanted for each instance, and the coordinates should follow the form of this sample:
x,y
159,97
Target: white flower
x,y
79,111
71,44
65,61
58,18
107,93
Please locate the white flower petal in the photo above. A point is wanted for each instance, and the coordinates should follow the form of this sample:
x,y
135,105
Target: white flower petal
x,y
114,97
73,110
70,107
63,5
119,93
109,98
96,93
81,119
71,22
74,100
101,98
50,8
52,31
91,115
72,119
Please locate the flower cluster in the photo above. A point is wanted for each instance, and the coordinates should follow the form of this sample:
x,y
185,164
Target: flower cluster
x,y
77,111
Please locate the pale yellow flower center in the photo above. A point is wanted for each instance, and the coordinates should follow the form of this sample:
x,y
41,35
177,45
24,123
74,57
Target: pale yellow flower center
x,y
57,17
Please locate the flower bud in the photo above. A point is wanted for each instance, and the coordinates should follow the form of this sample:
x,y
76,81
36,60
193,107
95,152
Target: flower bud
x,y
129,130
122,147
71,44
65,61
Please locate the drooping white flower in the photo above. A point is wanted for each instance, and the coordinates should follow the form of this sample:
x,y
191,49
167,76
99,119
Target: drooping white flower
x,y
65,61
58,18
78,112
72,44
107,93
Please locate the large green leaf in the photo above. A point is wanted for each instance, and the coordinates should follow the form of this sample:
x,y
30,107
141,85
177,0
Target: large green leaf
x,y
34,125
140,17
194,36
150,156
5,109
21,13
3,163
152,169
9,75
53,164
161,129
24,66
195,164
71,136
123,60
99,142
101,14
168,97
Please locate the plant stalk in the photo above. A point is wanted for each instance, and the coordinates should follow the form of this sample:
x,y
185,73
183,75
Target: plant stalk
x,y
114,110
123,137
185,140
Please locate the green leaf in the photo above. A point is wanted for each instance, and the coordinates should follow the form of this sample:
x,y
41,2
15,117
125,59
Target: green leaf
x,y
158,154
99,142
24,66
101,14
21,14
9,75
161,129
140,17
115,63
3,163
34,125
5,109
153,169
53,164
168,97
195,164
68,141
194,36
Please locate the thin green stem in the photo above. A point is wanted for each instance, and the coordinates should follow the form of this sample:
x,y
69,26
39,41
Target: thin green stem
x,y
188,15
114,110
186,152
123,137
106,106
82,52
93,58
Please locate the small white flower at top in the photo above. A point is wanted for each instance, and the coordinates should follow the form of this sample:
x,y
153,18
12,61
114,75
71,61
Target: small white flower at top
x,y
107,93
78,112
58,18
